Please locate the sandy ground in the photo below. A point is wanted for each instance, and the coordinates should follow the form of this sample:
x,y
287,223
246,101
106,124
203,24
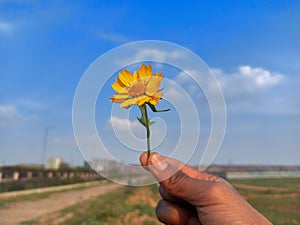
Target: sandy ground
x,y
47,208
259,188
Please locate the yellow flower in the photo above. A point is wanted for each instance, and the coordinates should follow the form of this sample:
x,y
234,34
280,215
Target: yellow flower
x,y
138,88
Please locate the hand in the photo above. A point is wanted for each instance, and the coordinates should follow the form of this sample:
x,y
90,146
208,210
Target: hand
x,y
193,197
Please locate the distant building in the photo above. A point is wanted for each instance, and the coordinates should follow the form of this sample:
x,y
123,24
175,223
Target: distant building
x,y
254,171
262,174
100,165
54,163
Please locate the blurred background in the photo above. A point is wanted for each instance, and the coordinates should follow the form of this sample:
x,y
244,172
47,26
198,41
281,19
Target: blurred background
x,y
252,47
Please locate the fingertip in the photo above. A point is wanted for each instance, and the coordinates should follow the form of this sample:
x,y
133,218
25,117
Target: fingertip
x,y
143,159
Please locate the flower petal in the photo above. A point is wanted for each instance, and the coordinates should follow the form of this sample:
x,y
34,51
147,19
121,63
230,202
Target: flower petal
x,y
136,75
159,75
116,100
121,96
142,100
126,77
153,101
120,82
145,71
157,95
129,102
133,82
118,86
153,85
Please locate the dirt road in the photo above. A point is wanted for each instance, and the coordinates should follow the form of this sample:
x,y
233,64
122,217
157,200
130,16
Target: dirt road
x,y
47,208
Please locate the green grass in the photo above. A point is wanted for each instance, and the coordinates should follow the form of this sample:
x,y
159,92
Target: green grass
x,y
31,197
111,209
289,183
29,222
278,200
39,183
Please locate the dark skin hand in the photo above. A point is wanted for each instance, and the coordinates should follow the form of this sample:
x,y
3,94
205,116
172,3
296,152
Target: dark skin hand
x,y
192,197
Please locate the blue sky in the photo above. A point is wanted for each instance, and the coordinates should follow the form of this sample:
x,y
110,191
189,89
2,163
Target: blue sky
x,y
252,47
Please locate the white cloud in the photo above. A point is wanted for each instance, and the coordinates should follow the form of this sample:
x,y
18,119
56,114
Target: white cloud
x,y
250,89
184,76
158,54
8,111
248,78
260,76
154,54
5,27
9,115
247,81
35,105
124,124
247,89
173,93
32,104
112,37
132,134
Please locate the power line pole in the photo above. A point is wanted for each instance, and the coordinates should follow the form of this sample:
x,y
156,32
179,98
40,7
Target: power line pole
x,y
45,141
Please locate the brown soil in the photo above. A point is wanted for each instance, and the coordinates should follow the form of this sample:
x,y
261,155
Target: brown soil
x,y
47,209
142,197
134,218
259,188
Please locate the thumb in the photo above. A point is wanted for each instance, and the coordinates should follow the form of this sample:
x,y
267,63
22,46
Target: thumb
x,y
176,182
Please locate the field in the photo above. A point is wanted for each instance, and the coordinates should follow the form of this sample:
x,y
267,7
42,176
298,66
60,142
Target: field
x,y
277,199
128,206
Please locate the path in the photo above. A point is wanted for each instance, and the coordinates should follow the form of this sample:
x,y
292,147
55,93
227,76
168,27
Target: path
x,y
16,213
256,187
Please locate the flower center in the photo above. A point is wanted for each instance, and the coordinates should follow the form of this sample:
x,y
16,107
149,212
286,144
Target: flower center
x,y
137,89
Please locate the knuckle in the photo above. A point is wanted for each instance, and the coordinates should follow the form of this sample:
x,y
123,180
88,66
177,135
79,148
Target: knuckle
x,y
217,190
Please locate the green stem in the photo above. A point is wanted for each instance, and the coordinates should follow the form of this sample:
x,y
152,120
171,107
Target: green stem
x,y
148,131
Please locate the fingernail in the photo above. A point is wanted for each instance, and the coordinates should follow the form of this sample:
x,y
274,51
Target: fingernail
x,y
158,163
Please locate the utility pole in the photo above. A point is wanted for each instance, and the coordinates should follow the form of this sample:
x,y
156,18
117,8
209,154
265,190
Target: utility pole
x,y
45,141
